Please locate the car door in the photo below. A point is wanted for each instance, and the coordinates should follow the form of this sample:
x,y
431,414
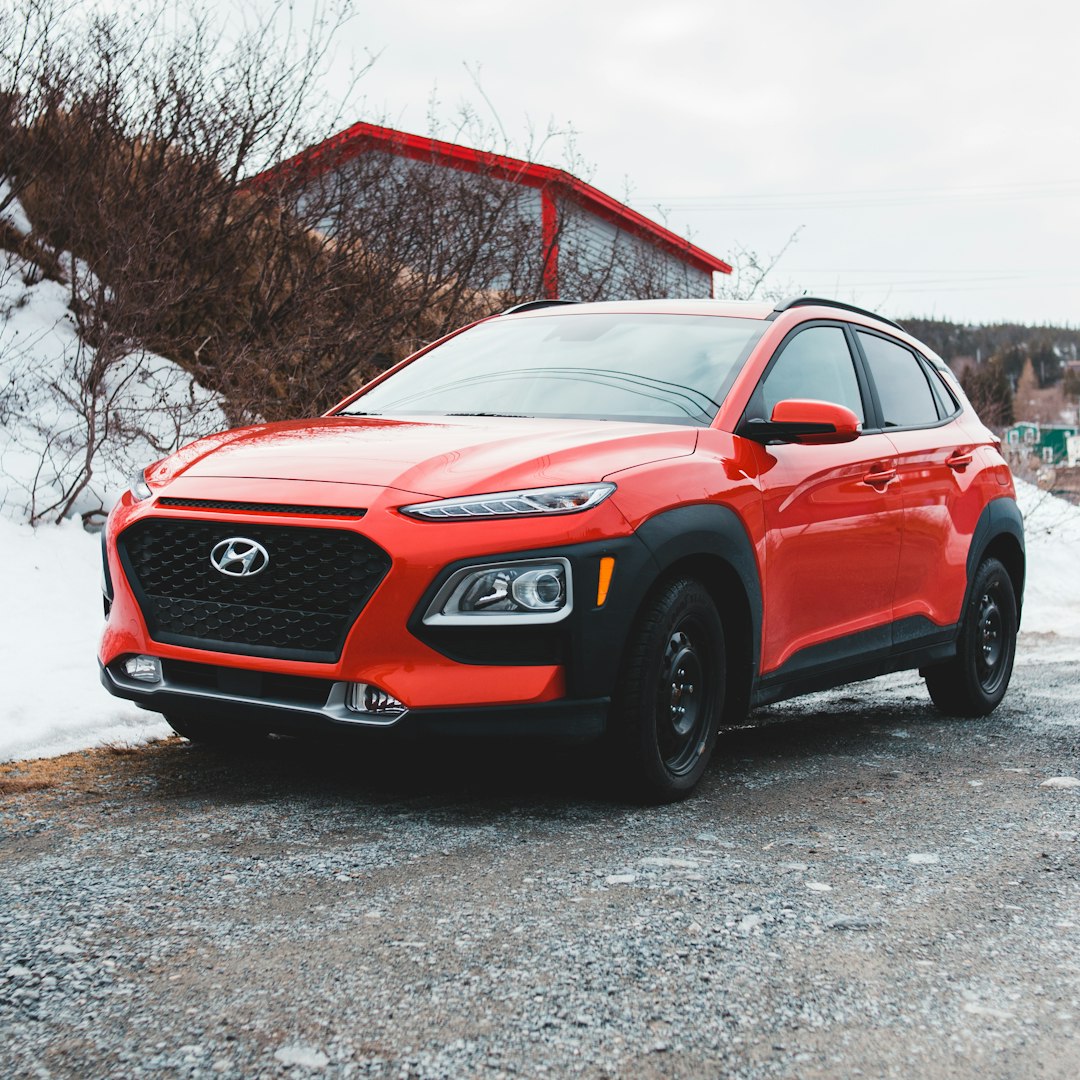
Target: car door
x,y
938,466
833,515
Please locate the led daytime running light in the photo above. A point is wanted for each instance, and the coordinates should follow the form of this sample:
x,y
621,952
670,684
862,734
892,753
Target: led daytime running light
x,y
571,499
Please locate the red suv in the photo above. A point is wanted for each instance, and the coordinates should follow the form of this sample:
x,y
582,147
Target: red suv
x,y
634,520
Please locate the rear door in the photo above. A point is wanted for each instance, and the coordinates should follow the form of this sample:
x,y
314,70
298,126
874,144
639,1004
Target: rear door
x,y
833,514
938,466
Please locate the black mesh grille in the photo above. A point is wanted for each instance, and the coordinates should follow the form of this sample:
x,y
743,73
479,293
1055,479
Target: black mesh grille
x,y
261,508
300,607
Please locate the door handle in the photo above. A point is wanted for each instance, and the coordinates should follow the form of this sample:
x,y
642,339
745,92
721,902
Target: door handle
x,y
879,476
959,460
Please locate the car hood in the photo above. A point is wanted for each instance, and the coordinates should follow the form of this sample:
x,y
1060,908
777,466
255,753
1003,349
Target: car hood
x,y
441,458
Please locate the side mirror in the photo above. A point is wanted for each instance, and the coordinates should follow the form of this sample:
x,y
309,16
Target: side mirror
x,y
809,422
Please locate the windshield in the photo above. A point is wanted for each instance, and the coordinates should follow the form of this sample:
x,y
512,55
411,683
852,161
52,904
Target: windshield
x,y
669,369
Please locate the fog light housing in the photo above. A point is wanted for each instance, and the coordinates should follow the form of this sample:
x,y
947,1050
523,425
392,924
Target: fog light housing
x,y
504,594
144,668
372,701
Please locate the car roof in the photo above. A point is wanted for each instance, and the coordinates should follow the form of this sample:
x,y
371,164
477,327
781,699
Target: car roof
x,y
741,309
797,308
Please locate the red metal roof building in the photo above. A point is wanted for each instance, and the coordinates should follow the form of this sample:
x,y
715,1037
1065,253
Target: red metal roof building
x,y
554,197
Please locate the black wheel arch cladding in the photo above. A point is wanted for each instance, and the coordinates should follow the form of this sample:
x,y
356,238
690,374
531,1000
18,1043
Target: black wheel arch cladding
x,y
702,534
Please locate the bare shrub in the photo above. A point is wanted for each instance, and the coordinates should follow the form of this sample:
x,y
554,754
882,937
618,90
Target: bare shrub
x,y
81,407
989,392
128,143
125,154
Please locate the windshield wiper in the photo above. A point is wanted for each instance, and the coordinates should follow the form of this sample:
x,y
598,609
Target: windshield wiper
x,y
513,416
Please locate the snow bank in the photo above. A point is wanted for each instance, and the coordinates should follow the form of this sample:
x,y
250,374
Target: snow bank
x,y
13,212
1052,534
52,701
69,439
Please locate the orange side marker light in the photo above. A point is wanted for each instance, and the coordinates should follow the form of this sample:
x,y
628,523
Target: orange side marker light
x,y
607,568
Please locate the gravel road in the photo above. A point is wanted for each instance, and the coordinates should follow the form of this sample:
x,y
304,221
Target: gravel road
x,y
860,888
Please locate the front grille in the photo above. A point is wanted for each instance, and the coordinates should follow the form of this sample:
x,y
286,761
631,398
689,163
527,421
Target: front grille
x,y
260,508
299,608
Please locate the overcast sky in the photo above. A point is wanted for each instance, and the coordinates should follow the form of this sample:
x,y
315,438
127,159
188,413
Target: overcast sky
x,y
927,153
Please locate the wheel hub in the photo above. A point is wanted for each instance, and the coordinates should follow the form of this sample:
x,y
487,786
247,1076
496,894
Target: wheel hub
x,y
683,707
683,689
990,632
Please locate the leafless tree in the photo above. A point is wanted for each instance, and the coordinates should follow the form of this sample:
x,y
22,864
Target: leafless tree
x,y
131,145
125,147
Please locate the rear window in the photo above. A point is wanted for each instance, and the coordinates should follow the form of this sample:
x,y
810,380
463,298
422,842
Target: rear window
x,y
946,399
672,369
902,385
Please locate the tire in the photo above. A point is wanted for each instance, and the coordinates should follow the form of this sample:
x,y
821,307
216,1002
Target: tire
x,y
975,680
214,732
666,713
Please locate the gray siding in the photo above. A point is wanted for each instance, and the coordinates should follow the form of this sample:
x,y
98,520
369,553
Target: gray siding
x,y
433,217
598,260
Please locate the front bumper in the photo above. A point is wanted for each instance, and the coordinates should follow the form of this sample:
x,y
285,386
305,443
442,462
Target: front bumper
x,y
250,697
429,669
555,680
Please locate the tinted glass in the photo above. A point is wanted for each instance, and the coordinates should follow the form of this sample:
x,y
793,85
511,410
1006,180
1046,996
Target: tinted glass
x,y
946,399
816,364
672,369
902,386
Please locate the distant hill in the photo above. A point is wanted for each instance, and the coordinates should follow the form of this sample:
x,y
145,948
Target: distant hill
x,y
1047,346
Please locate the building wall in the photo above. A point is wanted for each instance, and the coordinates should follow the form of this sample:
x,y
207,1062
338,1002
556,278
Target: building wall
x,y
1049,442
599,261
596,259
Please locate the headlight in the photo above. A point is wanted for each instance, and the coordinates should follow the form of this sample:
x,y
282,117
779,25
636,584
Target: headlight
x,y
138,487
503,504
504,594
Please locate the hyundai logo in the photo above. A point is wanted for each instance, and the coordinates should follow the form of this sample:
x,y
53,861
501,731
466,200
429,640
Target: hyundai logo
x,y
239,557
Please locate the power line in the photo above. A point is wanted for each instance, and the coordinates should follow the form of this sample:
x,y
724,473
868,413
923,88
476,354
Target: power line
x,y
937,277
866,197
953,286
847,192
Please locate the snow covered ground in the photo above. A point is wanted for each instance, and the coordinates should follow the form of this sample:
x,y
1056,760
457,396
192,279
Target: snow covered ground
x,y
73,426
52,702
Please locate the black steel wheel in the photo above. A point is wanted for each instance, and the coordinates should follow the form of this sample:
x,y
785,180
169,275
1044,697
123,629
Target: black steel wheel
x,y
671,694
975,681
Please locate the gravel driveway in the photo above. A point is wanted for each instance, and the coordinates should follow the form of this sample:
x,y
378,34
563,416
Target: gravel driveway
x,y
861,887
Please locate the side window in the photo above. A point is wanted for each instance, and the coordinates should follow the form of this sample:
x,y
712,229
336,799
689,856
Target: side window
x,y
902,386
944,397
816,364
947,398
937,390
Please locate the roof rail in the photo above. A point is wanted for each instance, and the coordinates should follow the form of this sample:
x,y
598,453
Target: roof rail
x,y
534,305
818,301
